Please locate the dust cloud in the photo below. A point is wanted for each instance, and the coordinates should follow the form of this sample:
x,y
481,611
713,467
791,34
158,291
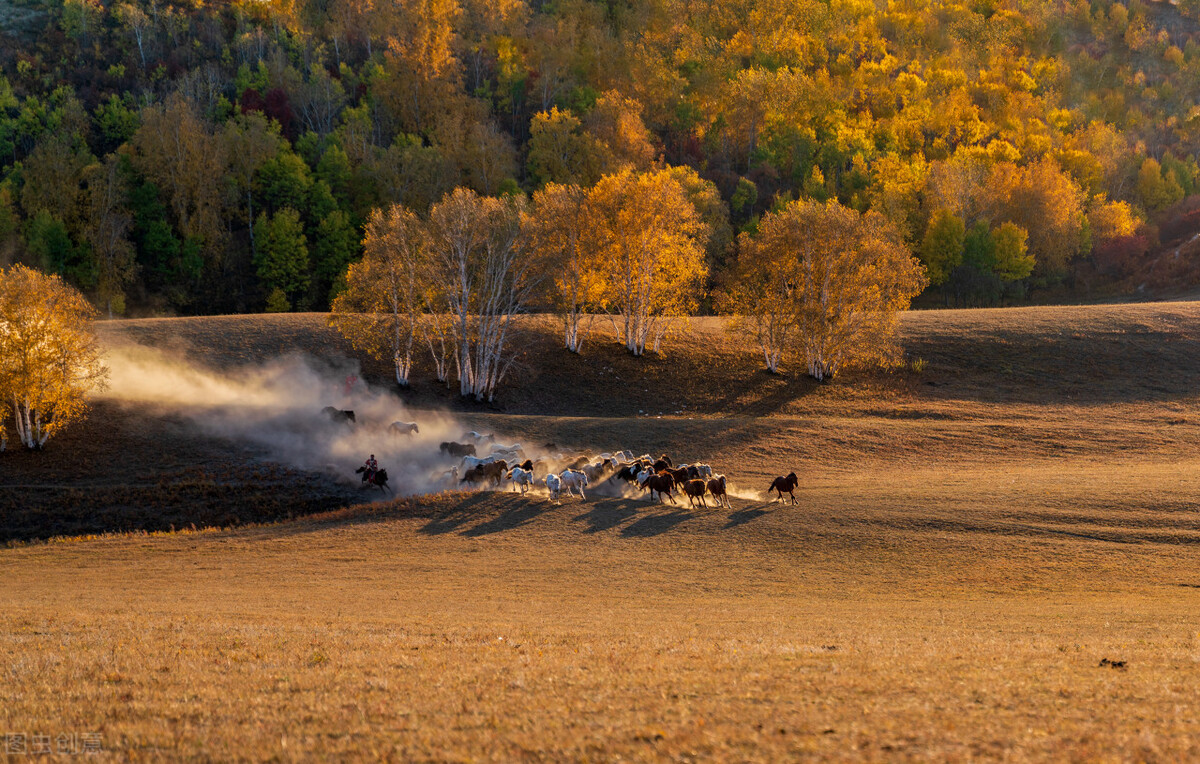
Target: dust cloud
x,y
275,409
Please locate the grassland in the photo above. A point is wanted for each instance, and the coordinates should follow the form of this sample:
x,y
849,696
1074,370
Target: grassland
x,y
964,556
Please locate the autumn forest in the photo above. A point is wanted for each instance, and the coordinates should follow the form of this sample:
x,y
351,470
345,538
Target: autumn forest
x,y
227,157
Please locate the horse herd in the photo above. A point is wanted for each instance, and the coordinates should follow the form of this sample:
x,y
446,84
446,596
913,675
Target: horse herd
x,y
508,463
572,475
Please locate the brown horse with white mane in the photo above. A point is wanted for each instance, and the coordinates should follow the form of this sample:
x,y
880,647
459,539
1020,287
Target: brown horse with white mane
x,y
716,487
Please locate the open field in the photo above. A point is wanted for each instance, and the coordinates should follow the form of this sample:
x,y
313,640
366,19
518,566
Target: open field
x,y
964,556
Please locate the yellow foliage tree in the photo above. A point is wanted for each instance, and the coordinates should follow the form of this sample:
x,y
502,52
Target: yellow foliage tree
x,y
1111,220
1047,203
559,150
49,357
484,274
381,308
616,123
558,230
835,278
651,239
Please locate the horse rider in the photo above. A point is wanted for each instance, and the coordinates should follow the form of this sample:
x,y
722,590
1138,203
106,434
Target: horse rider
x,y
371,467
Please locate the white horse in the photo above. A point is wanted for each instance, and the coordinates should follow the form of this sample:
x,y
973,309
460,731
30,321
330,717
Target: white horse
x,y
553,484
471,462
574,481
404,428
521,478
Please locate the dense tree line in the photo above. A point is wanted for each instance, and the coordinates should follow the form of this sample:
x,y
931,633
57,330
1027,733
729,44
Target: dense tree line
x,y
190,157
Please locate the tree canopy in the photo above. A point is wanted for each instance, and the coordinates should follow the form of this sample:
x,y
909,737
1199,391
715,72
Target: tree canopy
x,y
145,145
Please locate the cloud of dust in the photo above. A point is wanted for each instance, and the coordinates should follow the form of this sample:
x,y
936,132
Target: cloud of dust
x,y
275,409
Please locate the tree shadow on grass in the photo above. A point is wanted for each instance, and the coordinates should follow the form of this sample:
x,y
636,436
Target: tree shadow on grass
x,y
606,516
653,525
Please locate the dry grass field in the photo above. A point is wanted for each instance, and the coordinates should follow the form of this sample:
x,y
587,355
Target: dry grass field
x,y
972,541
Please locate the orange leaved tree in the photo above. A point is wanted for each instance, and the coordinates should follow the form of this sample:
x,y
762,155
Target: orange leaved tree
x,y
382,306
484,274
559,232
650,239
49,356
833,278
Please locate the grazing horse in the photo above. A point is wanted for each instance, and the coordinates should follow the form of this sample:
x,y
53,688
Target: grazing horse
x,y
662,483
379,479
785,485
337,415
716,487
404,428
695,489
451,448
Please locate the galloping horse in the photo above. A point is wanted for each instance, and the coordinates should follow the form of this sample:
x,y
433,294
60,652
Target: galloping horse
x,y
379,480
785,485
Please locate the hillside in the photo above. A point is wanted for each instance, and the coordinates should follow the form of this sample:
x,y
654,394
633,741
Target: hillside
x,y
1122,353
243,148
997,386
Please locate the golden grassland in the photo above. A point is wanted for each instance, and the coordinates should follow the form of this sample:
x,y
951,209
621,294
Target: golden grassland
x,y
963,557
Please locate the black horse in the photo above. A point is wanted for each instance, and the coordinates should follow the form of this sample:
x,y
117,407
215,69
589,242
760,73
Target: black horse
x,y
379,480
337,415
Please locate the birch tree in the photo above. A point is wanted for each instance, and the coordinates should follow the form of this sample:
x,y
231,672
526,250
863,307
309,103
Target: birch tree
x,y
558,225
651,240
486,275
845,278
761,298
381,309
49,356
138,23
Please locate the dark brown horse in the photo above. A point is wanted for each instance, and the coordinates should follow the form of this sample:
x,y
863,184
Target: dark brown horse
x,y
681,475
785,485
450,448
486,473
662,483
378,479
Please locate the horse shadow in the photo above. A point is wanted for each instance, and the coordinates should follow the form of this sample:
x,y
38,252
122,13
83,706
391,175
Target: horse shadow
x,y
743,516
606,516
654,525
467,510
506,520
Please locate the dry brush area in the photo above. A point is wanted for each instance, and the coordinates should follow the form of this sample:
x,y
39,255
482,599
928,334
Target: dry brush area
x,y
964,556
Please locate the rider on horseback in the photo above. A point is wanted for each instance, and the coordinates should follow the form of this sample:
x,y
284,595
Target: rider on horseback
x,y
371,468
